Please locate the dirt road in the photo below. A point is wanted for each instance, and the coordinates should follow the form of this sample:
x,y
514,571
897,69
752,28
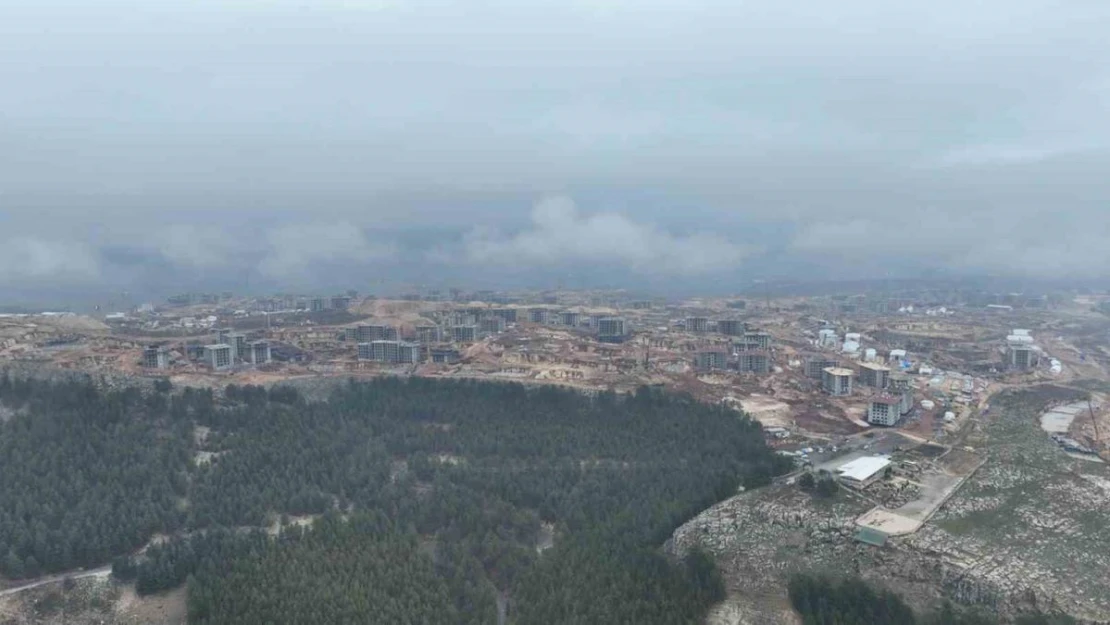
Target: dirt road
x,y
103,571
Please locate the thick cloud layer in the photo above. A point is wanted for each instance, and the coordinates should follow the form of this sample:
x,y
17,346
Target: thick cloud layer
x,y
282,141
559,232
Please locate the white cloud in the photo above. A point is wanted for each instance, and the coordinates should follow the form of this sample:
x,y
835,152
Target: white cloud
x,y
560,233
31,259
195,247
293,250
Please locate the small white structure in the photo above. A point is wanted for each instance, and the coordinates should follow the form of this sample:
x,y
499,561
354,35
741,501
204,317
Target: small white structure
x,y
928,404
862,472
1019,332
897,355
870,355
850,347
949,417
853,336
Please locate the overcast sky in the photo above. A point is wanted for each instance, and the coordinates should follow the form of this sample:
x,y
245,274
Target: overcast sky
x,y
287,143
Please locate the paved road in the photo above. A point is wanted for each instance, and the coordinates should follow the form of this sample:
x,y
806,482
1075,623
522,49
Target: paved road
x,y
101,572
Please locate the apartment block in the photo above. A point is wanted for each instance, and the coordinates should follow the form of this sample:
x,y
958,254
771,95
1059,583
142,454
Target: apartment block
x,y
699,325
874,375
901,386
837,381
731,327
259,352
755,362
570,319
884,410
816,364
376,332
762,339
710,359
491,325
539,315
612,330
218,356
464,334
156,358
1021,357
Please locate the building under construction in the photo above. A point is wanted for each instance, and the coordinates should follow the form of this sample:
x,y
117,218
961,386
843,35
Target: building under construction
x,y
710,359
837,381
155,357
755,361
218,356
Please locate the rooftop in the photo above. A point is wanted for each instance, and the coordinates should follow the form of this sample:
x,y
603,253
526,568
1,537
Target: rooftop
x,y
885,399
874,366
871,536
839,371
861,469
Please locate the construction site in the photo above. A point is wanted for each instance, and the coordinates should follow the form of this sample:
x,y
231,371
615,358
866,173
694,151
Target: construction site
x,y
816,367
931,418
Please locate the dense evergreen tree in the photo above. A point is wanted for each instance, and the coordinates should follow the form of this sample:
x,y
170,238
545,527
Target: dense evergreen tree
x,y
458,478
84,475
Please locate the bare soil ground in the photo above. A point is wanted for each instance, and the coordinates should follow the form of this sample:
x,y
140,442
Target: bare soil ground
x,y
166,608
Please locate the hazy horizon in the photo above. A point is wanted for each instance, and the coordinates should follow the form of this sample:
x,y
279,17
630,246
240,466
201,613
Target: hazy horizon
x,y
664,146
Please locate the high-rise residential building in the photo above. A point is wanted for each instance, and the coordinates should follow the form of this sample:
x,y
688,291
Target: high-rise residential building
x,y
409,353
259,352
837,381
376,332
874,375
508,314
901,386
539,315
464,334
428,334
762,339
815,364
156,358
491,325
385,351
238,343
710,359
883,410
699,325
731,327
218,356
1022,356
318,304
756,361
612,330
570,319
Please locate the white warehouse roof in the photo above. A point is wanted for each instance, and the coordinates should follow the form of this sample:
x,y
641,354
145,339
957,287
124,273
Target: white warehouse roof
x,y
861,469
